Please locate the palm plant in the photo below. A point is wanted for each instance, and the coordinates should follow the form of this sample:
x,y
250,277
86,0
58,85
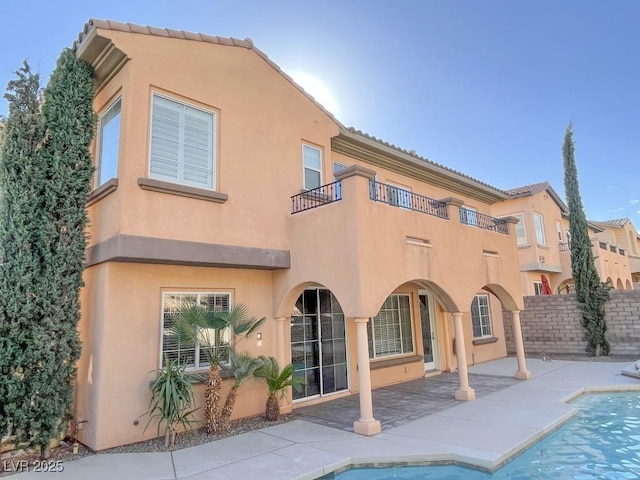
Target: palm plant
x,y
172,397
244,366
210,329
277,382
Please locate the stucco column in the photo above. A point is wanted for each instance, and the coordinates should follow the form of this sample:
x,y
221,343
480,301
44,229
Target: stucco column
x,y
522,373
465,392
366,425
280,340
282,324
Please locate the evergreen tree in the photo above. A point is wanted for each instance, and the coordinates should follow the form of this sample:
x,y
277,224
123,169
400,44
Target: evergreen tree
x,y
69,121
591,293
45,177
20,221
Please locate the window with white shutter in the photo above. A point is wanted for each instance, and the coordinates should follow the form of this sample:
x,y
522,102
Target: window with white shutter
x,y
390,331
182,144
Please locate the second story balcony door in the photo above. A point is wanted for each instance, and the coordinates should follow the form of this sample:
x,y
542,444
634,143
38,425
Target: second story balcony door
x,y
429,332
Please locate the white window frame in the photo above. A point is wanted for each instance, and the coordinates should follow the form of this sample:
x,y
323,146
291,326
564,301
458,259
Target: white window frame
x,y
310,167
483,318
210,183
99,180
522,227
405,344
538,222
559,230
537,288
197,365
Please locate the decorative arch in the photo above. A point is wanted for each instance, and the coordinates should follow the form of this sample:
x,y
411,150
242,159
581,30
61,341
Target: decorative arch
x,y
507,300
440,294
619,285
285,306
628,285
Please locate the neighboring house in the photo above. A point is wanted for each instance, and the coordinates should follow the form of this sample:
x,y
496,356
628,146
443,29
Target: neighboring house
x,y
543,239
220,181
620,236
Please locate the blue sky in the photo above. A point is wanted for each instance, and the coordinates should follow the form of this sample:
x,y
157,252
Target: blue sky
x,y
484,87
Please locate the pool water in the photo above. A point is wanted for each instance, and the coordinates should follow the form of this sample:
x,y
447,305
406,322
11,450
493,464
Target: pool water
x,y
601,442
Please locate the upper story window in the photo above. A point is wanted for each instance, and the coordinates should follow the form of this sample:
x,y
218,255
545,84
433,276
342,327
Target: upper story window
x,y
559,230
108,144
337,166
481,316
390,331
521,229
192,356
469,215
182,144
539,223
312,164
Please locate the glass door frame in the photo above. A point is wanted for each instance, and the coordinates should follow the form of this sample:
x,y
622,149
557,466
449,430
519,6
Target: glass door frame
x,y
435,364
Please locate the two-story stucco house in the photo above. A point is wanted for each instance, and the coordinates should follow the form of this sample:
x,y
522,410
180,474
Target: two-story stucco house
x,y
220,181
543,239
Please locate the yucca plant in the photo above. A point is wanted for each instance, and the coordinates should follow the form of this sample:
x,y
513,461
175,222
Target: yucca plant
x,y
171,401
206,327
277,382
244,366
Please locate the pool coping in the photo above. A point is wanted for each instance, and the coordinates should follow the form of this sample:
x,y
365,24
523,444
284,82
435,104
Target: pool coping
x,y
477,463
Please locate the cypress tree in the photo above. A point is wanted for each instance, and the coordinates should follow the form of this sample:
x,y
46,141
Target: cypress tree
x,y
69,121
20,230
592,294
45,177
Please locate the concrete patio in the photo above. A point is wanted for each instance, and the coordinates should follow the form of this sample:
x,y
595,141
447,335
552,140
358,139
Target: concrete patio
x,y
484,433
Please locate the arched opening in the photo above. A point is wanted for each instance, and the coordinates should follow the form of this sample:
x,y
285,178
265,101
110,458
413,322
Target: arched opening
x,y
319,344
566,286
628,285
619,285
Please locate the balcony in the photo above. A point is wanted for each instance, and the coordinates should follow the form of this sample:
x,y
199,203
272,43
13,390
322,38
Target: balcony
x,y
401,198
475,219
316,197
398,197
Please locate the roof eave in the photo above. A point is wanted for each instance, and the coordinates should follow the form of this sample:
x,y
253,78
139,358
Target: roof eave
x,y
101,53
385,156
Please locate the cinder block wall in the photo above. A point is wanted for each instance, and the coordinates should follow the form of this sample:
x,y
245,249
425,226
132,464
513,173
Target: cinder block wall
x,y
551,324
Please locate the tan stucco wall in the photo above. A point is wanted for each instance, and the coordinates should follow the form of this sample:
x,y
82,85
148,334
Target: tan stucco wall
x,y
355,247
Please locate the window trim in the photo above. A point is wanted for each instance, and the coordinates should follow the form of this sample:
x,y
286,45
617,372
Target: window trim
x,y
214,140
537,288
490,323
372,354
98,180
520,216
304,167
559,230
197,367
542,229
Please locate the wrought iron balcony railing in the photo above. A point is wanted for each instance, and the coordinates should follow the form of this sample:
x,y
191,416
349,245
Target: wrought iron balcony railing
x,y
480,220
564,247
399,197
316,197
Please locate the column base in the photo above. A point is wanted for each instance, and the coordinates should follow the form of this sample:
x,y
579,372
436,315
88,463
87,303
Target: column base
x,y
465,394
367,428
523,375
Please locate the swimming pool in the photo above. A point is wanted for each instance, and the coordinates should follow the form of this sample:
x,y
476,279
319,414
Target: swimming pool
x,y
601,442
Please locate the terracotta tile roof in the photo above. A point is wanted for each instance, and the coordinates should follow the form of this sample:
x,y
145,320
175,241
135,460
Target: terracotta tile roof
x,y
413,154
616,222
93,24
528,189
